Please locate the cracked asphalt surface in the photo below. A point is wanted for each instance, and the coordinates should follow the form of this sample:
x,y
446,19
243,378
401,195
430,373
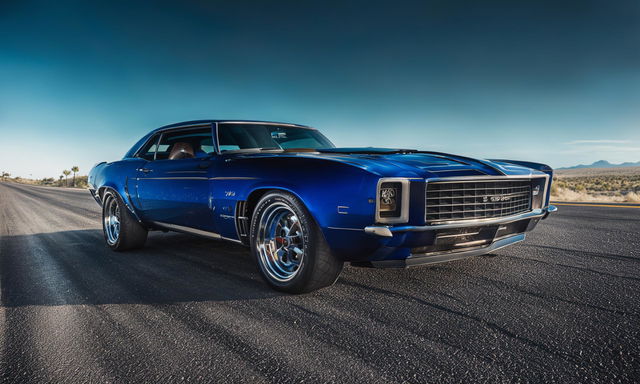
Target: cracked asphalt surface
x,y
561,307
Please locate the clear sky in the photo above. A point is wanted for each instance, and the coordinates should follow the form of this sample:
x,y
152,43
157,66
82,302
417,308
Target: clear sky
x,y
555,82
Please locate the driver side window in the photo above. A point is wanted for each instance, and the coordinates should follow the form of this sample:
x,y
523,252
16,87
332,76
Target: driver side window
x,y
185,144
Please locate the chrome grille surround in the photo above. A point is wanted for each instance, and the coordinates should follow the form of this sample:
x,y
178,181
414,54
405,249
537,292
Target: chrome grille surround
x,y
450,200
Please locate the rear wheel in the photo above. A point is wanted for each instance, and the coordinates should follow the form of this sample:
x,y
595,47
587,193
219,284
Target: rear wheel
x,y
121,230
289,247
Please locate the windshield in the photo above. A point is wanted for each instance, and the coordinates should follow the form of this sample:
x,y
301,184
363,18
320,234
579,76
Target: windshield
x,y
235,137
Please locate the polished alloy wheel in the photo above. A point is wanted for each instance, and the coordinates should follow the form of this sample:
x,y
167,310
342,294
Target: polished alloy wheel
x,y
280,242
112,221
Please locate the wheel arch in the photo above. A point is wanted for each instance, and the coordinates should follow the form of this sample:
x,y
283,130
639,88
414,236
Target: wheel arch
x,y
256,194
246,208
104,189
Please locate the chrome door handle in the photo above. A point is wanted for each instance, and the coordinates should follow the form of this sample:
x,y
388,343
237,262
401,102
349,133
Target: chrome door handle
x,y
145,170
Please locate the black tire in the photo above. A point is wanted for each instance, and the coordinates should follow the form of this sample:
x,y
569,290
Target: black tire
x,y
318,267
131,234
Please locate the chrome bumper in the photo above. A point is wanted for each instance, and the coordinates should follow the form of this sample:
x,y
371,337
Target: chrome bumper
x,y
424,259
387,231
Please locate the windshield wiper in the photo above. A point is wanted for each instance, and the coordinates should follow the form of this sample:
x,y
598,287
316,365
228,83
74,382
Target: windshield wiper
x,y
269,148
252,150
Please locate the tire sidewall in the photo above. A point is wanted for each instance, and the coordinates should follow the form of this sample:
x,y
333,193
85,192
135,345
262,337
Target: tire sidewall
x,y
306,221
108,197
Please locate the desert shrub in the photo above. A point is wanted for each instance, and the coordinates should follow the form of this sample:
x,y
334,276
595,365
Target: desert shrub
x,y
632,197
81,182
612,187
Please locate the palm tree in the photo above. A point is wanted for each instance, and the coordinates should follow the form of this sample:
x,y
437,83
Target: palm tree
x,y
61,177
74,169
66,173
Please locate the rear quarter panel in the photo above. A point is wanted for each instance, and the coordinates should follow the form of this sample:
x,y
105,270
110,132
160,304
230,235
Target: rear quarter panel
x,y
119,176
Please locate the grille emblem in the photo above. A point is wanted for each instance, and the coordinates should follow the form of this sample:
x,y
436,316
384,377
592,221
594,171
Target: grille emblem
x,y
495,199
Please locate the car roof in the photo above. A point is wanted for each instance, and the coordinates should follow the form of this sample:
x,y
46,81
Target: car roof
x,y
201,122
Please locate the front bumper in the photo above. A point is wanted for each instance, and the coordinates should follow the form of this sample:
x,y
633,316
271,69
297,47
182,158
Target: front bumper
x,y
386,231
404,246
441,257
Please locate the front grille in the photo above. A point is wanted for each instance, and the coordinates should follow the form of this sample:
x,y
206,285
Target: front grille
x,y
467,200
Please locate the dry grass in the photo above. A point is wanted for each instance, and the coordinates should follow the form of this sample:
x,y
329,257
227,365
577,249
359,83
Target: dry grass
x,y
622,171
597,184
570,195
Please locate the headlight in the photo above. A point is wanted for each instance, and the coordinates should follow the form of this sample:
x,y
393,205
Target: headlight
x,y
392,205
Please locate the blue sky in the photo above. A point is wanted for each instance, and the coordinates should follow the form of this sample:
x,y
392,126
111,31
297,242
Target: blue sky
x,y
555,82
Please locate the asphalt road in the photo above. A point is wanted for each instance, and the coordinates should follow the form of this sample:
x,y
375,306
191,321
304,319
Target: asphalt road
x,y
562,306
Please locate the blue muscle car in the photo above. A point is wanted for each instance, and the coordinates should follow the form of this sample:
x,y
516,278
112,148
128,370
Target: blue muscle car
x,y
305,207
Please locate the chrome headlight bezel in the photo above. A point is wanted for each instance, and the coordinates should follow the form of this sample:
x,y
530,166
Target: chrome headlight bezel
x,y
401,198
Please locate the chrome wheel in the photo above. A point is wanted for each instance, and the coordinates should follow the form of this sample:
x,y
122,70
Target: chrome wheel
x,y
280,242
112,221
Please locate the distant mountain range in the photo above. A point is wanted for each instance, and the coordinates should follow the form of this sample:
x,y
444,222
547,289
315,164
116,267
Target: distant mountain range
x,y
603,164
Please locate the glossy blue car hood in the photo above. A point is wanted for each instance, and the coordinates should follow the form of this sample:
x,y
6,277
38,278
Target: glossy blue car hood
x,y
409,163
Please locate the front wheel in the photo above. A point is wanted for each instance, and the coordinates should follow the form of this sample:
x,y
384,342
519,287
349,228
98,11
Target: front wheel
x,y
289,247
121,230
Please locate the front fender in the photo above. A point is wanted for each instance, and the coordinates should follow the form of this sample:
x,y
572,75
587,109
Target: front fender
x,y
322,186
335,194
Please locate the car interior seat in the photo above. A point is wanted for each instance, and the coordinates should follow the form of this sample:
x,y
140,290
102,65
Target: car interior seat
x,y
181,150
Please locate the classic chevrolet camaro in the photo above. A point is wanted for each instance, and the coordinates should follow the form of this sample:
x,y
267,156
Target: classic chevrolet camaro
x,y
304,207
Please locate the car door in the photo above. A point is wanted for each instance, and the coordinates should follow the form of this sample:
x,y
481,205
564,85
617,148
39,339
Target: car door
x,y
174,189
